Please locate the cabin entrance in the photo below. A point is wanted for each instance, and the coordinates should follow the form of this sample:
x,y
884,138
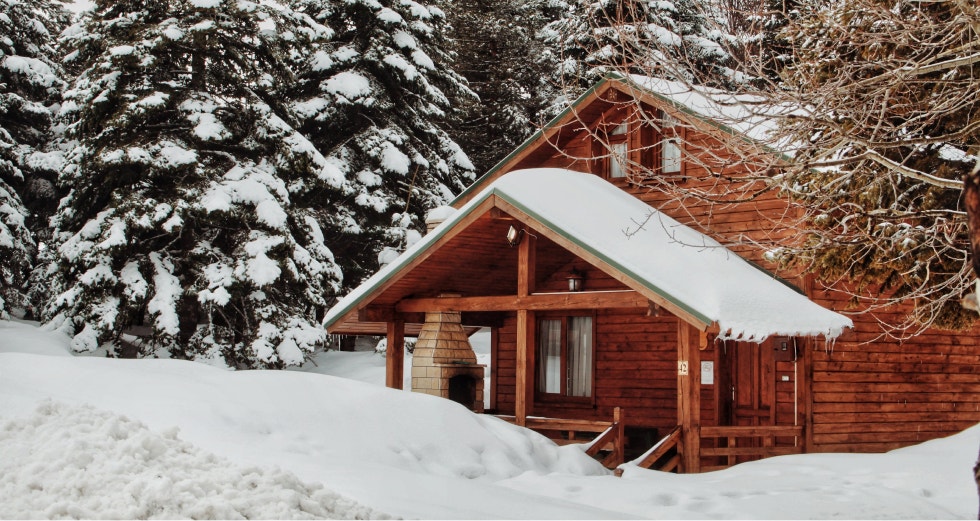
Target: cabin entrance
x,y
748,396
758,412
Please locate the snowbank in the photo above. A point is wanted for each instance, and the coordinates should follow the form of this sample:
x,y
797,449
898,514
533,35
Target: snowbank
x,y
79,462
392,452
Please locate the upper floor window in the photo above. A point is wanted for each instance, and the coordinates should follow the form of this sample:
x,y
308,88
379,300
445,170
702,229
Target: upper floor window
x,y
670,145
618,151
671,155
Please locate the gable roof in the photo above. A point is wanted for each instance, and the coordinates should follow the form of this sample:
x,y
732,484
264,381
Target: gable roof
x,y
746,117
693,275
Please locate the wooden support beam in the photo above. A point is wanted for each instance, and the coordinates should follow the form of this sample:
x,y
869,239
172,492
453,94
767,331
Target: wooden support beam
x,y
689,396
526,262
524,387
388,314
524,399
533,302
494,364
395,355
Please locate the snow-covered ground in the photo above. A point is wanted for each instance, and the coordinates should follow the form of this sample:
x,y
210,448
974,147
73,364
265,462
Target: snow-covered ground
x,y
105,438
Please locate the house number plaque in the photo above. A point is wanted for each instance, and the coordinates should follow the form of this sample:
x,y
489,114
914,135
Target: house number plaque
x,y
682,368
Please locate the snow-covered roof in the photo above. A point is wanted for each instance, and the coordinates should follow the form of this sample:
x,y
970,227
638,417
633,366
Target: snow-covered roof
x,y
745,116
661,256
750,116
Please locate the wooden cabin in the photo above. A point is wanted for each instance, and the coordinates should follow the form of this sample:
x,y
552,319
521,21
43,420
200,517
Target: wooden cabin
x,y
622,307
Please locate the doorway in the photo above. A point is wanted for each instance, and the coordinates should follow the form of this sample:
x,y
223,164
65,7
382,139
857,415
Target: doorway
x,y
758,388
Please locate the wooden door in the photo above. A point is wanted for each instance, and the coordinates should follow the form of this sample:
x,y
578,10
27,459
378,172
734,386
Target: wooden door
x,y
751,392
747,397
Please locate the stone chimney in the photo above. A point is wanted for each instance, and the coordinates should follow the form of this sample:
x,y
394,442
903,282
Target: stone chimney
x,y
436,216
443,363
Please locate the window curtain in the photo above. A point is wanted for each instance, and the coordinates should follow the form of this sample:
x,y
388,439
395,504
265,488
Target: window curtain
x,y
618,160
549,356
671,156
580,356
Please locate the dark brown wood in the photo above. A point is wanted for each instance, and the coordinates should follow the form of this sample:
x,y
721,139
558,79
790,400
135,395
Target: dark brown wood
x,y
524,391
388,314
664,446
749,431
494,362
689,397
395,355
535,302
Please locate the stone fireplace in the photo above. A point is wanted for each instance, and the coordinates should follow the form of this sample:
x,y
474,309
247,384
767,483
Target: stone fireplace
x,y
443,363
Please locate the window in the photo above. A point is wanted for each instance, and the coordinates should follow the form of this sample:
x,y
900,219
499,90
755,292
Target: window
x,y
617,161
565,356
671,155
670,149
618,151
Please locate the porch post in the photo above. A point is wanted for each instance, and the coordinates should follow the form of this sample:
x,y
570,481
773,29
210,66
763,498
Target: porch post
x,y
395,354
689,396
525,332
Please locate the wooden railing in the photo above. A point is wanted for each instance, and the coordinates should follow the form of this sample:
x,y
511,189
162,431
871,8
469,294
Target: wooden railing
x,y
750,442
610,440
660,457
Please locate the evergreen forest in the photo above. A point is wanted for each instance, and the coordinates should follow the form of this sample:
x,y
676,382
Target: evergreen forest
x,y
202,179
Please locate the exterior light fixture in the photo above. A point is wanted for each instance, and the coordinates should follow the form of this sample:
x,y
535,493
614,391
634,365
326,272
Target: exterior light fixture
x,y
514,236
575,280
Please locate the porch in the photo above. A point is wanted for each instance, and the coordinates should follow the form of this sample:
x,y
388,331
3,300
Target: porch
x,y
717,447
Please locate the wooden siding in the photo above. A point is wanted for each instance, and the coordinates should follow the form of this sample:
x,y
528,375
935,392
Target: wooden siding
x,y
636,369
871,394
863,393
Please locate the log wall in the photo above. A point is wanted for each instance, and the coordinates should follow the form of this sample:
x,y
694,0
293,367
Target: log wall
x,y
863,393
871,394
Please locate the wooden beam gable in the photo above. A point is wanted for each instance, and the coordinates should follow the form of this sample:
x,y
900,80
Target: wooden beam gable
x,y
645,288
444,236
405,307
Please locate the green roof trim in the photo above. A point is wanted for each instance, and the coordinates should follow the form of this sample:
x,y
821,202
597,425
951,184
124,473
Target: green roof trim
x,y
605,258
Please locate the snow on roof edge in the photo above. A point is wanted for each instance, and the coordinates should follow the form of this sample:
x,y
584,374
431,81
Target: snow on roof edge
x,y
735,329
674,260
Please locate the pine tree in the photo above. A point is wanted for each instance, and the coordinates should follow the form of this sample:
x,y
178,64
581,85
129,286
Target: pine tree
x,y
509,68
374,100
190,214
681,40
30,82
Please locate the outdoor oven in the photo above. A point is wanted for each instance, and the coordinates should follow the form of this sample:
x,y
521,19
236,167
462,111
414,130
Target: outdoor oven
x,y
444,364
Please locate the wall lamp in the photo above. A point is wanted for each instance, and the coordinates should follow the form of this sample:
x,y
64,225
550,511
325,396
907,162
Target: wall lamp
x,y
576,280
514,236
